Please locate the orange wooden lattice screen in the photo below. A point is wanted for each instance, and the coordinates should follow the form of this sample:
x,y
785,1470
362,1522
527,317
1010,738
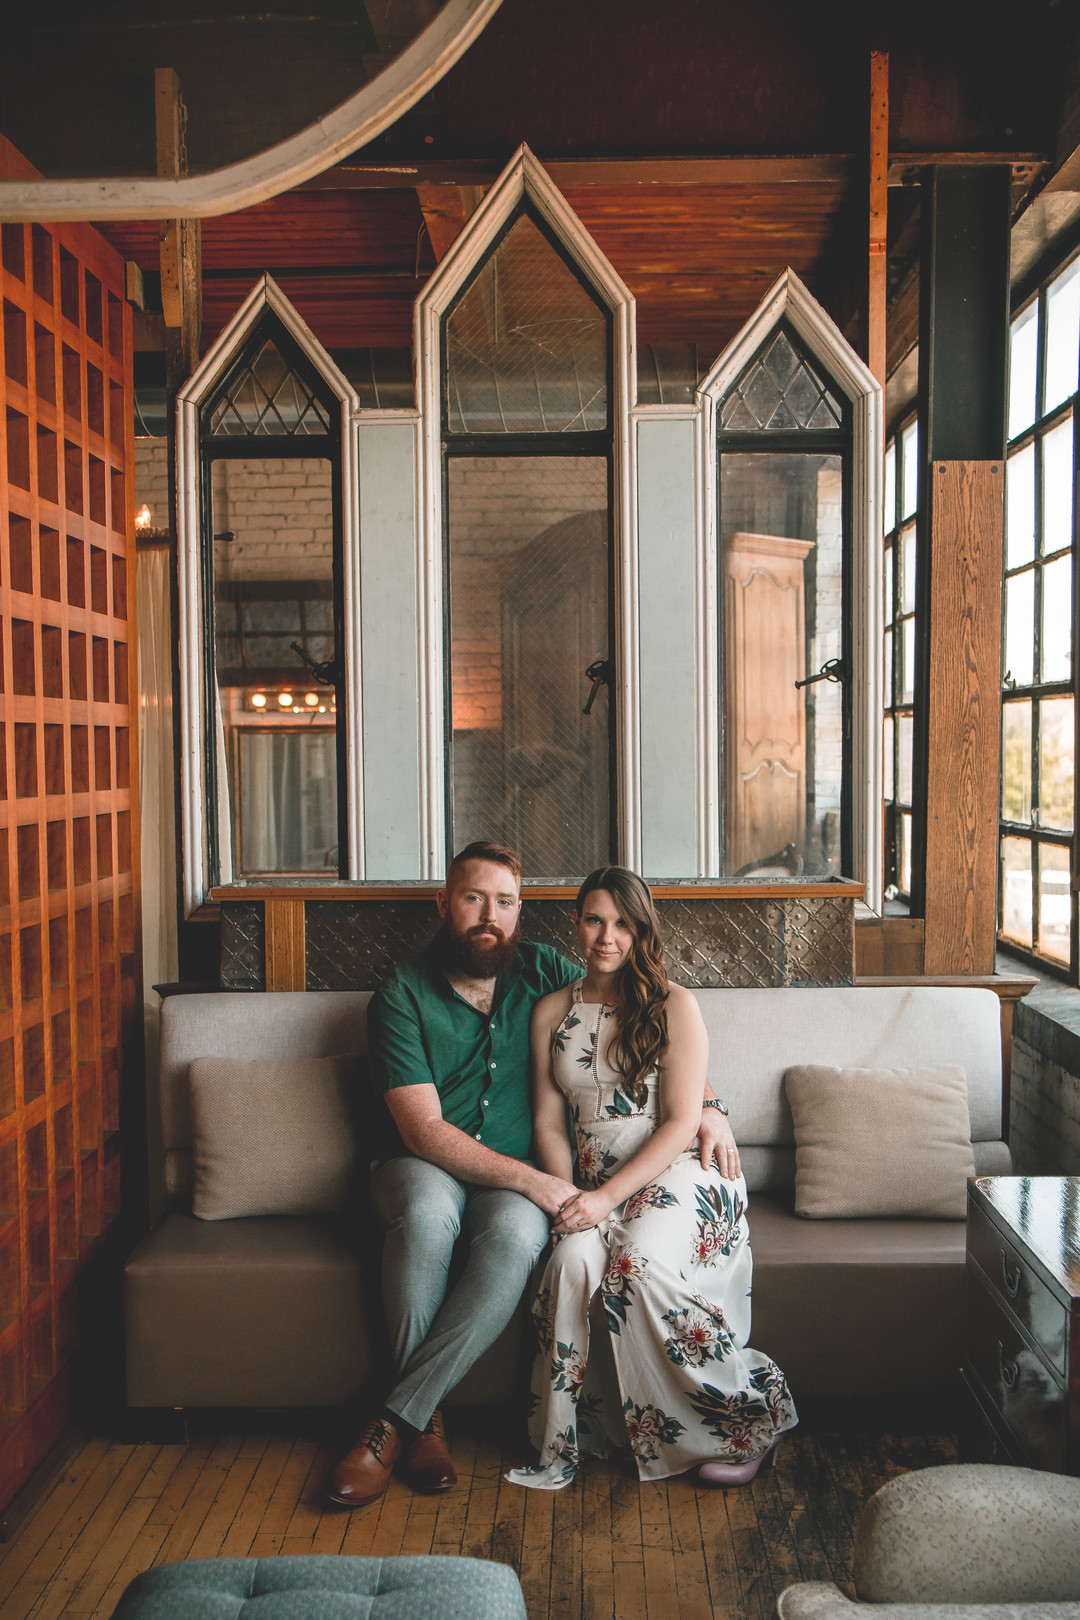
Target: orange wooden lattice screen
x,y
69,973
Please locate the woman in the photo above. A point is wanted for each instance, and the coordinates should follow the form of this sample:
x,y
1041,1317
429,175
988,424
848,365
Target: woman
x,y
661,1239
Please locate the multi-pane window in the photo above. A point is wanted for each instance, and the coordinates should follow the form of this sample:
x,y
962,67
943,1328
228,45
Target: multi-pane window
x,y
898,691
1036,907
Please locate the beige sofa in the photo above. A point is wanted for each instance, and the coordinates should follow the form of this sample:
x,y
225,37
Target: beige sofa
x,y
271,1311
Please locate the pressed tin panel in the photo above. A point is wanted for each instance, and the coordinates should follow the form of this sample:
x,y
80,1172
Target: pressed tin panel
x,y
711,941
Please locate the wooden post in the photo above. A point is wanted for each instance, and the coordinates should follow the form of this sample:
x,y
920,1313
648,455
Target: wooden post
x,y
962,701
879,194
180,239
283,922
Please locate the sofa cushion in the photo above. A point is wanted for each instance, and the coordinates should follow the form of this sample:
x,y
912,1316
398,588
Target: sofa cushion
x,y
271,1137
880,1142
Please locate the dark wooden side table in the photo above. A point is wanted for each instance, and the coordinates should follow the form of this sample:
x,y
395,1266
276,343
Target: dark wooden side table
x,y
1022,1335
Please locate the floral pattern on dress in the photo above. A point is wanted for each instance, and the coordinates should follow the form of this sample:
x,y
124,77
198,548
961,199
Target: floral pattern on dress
x,y
652,1197
625,1268
719,1226
648,1428
593,1158
571,1021
672,1267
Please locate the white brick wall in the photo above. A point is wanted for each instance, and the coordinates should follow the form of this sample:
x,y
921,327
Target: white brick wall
x,y
152,479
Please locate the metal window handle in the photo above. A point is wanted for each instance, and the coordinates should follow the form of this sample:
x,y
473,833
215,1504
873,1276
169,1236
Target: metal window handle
x,y
1009,1370
834,670
1012,1283
599,672
325,674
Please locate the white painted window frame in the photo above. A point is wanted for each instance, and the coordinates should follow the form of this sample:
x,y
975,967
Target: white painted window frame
x,y
266,294
789,299
524,178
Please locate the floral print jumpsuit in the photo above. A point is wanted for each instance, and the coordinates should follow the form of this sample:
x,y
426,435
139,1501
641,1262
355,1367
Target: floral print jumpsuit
x,y
672,1267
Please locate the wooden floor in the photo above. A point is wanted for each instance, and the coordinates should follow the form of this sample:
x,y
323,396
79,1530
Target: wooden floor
x,y
603,1549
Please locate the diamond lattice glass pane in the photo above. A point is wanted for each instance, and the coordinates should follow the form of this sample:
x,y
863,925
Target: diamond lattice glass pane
x,y
779,391
529,613
526,345
268,398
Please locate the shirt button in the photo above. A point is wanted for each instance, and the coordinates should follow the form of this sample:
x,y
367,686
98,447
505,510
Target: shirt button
x,y
491,1026
493,1065
478,1136
484,1103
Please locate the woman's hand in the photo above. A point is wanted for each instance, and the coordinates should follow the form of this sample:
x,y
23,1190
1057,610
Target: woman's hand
x,y
717,1140
585,1210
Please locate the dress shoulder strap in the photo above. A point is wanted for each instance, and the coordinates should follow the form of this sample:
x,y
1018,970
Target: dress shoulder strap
x,y
575,991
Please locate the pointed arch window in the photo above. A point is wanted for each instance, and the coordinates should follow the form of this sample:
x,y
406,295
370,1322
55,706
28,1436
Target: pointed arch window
x,y
262,450
797,421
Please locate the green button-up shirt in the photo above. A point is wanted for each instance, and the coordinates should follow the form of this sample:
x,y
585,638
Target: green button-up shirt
x,y
421,1032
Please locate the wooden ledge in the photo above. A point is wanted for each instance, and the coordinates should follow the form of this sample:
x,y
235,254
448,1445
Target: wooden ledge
x,y
731,889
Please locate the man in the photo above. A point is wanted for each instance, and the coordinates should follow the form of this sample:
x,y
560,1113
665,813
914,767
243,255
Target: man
x,y
448,1042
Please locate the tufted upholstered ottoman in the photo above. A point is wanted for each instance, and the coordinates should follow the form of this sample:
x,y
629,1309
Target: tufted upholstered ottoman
x,y
316,1588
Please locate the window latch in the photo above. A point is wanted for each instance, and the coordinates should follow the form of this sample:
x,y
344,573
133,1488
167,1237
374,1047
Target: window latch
x,y
599,672
834,670
325,674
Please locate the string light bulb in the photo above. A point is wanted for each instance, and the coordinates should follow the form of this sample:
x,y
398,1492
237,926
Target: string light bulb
x,y
144,520
285,699
258,700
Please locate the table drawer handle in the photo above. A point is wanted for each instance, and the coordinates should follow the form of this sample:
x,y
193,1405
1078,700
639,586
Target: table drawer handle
x,y
1011,1281
1009,1370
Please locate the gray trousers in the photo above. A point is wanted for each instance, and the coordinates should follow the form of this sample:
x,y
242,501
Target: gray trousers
x,y
438,1332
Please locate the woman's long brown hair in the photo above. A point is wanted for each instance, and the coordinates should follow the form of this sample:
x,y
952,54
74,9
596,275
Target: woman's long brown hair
x,y
641,985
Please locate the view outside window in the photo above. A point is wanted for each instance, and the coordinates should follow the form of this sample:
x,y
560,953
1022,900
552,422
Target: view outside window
x,y
273,722
898,689
527,363
1038,748
782,443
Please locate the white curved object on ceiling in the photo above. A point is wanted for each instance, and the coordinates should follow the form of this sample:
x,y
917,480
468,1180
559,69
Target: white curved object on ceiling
x,y
350,125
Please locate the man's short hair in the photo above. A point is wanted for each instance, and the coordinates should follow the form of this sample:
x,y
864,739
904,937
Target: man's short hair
x,y
481,851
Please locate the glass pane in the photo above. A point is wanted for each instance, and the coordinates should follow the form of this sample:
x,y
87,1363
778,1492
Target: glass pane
x,y
889,606
1062,336
889,513
888,760
1023,353
887,685
1016,761
1056,750
268,398
907,549
1016,890
779,390
526,344
1058,487
288,799
1055,902
1020,508
528,614
903,853
910,459
1057,620
781,519
1019,628
905,734
275,723
909,660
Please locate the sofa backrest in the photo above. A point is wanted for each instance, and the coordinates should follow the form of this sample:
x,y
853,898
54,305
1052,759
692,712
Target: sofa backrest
x,y
754,1036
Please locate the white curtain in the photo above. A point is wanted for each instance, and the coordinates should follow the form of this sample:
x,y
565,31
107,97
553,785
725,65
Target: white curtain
x,y
156,789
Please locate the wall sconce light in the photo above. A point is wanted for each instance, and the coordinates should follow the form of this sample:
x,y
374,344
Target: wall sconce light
x,y
144,520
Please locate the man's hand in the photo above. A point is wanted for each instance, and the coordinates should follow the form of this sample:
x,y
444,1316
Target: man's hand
x,y
716,1140
549,1193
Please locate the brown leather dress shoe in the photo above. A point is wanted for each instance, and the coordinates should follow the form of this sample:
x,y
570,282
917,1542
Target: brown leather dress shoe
x,y
427,1465
364,1472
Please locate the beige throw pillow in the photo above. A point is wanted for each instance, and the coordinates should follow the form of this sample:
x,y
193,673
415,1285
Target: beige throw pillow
x,y
271,1138
880,1141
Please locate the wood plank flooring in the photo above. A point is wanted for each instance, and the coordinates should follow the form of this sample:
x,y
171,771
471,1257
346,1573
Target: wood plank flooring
x,y
603,1549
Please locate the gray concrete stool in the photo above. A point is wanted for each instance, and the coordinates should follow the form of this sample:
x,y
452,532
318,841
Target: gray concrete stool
x,y
320,1588
971,1542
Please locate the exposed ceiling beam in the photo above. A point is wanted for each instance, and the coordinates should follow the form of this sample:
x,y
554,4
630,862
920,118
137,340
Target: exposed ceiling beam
x,y
446,210
342,130
835,168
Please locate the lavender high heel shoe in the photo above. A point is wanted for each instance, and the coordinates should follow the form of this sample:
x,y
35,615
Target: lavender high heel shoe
x,y
724,1473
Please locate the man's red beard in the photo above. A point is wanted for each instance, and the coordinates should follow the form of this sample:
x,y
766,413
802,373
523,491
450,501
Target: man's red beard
x,y
483,952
